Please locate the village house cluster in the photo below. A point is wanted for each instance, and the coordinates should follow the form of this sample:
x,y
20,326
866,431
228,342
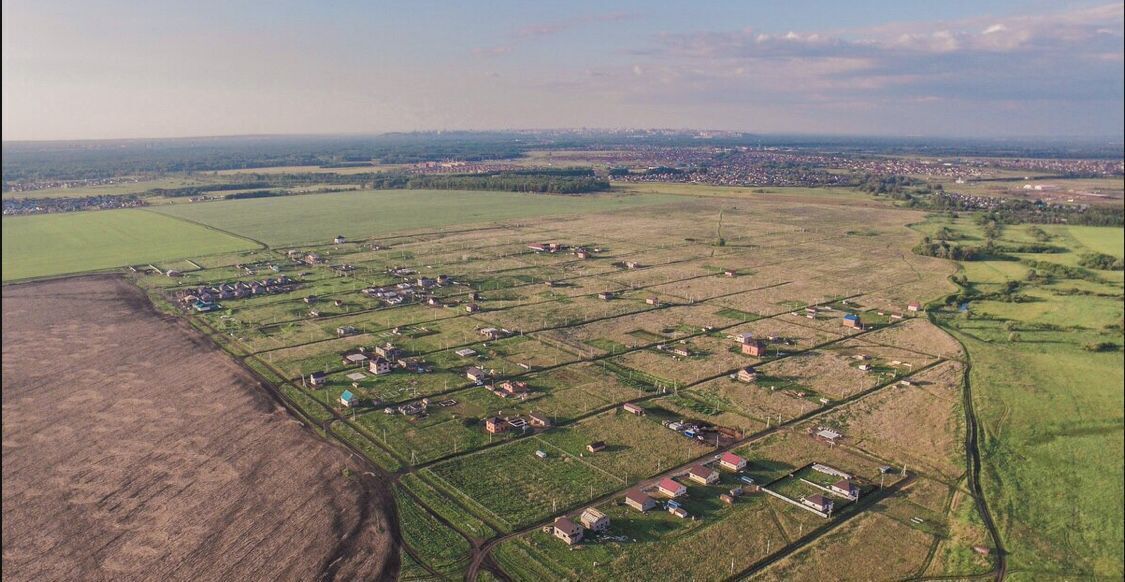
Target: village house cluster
x,y
205,298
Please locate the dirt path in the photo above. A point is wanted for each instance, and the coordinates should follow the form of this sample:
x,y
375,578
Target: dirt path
x,y
133,448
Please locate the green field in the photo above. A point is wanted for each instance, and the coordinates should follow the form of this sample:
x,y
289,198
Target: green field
x,y
57,244
317,218
1050,409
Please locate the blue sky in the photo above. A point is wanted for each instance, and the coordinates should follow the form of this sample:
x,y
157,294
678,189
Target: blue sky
x,y
113,69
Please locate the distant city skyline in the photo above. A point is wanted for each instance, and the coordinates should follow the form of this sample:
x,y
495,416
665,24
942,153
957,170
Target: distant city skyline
x,y
112,70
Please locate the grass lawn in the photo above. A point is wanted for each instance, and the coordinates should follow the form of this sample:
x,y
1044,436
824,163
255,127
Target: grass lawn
x,y
58,244
318,217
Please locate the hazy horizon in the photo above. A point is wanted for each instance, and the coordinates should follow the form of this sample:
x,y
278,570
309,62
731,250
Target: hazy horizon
x,y
1016,69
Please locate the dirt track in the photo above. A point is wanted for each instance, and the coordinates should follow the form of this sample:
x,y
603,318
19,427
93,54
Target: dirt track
x,y
133,449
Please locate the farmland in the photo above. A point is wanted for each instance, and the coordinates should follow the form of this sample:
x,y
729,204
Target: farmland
x,y
41,246
499,405
304,219
1048,404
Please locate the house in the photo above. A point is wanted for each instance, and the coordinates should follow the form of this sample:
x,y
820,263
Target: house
x,y
639,500
703,475
729,273
678,512
472,307
492,333
476,374
379,366
513,387
845,488
539,419
605,295
754,348
670,487
538,247
582,254
732,461
632,265
568,531
914,306
594,520
852,320
339,240
747,374
819,503
596,446
495,425
744,338
388,351
682,352
652,301
865,367
345,330
633,408
318,378
348,399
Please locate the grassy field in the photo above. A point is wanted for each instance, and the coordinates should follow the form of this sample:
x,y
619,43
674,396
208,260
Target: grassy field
x,y
56,244
1049,407
302,219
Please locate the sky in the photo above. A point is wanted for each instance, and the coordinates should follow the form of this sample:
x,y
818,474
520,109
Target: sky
x,y
93,69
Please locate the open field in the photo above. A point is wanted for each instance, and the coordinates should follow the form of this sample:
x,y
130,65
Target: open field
x,y
583,356
56,244
133,449
1049,407
303,219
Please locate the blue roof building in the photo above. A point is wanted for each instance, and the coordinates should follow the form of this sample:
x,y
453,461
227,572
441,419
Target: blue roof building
x,y
348,399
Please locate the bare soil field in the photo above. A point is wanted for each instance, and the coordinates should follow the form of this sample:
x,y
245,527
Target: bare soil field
x,y
134,449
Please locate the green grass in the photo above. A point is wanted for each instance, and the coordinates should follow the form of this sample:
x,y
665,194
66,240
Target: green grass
x,y
59,244
1050,411
442,548
319,217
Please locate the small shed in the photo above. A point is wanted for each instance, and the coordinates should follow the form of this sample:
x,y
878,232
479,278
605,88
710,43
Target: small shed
x,y
348,399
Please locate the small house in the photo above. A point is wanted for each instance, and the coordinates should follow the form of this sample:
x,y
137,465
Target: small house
x,y
652,301
633,408
513,387
476,374
472,307
639,500
541,454
596,446
670,487
744,338
594,520
388,351
379,366
852,320
310,299
539,419
703,475
732,461
845,488
819,503
605,295
729,273
568,531
914,307
678,512
754,348
339,240
348,399
318,378
495,425
345,330
681,351
582,254
747,374
632,265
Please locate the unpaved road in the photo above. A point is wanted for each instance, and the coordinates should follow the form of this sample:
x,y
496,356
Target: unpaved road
x,y
134,449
